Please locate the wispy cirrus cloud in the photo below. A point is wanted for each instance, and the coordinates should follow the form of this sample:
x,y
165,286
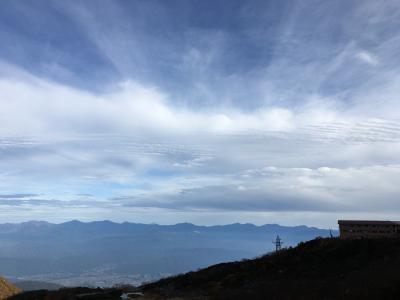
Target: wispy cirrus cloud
x,y
17,196
367,57
154,117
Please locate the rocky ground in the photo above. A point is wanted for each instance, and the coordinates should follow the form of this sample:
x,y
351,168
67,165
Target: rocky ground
x,y
7,289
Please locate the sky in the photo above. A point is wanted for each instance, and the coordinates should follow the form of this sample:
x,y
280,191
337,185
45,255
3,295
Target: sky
x,y
210,112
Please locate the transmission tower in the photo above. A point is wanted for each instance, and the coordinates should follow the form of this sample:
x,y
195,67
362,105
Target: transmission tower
x,y
278,243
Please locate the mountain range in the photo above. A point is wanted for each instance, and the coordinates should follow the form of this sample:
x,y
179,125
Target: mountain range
x,y
105,253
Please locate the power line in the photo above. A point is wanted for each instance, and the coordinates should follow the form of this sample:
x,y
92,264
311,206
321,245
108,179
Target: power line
x,y
278,243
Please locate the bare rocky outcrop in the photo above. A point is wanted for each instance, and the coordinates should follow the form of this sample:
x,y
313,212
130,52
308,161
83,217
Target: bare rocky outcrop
x,y
7,289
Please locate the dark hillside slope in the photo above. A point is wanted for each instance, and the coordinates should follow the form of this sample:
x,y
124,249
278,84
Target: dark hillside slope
x,y
29,285
319,269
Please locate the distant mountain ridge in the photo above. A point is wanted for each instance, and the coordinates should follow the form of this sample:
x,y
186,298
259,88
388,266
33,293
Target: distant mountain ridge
x,y
46,227
103,253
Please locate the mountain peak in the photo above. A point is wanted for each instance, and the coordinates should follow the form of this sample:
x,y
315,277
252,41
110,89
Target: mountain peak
x,y
73,222
36,223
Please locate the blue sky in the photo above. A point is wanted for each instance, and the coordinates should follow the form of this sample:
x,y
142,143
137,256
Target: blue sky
x,y
201,111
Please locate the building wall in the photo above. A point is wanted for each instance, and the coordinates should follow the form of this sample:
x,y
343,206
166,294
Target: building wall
x,y
369,230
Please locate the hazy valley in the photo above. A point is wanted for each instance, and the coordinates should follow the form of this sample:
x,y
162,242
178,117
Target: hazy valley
x,y
105,253
324,268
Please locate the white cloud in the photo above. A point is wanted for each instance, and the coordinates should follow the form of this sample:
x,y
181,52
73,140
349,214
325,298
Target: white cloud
x,y
133,143
320,196
200,107
329,127
367,58
39,107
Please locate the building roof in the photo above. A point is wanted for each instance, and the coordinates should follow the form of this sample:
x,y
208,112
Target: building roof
x,y
367,222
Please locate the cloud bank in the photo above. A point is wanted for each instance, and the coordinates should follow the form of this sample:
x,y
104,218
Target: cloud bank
x,y
256,118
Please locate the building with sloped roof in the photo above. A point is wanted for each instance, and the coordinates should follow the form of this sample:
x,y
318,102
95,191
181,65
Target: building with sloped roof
x,y
352,229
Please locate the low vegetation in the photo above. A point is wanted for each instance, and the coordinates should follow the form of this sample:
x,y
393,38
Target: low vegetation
x,y
319,269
